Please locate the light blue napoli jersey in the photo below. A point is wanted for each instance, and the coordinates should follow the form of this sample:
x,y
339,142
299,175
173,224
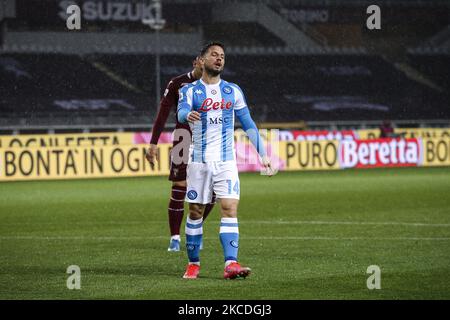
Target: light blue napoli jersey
x,y
213,135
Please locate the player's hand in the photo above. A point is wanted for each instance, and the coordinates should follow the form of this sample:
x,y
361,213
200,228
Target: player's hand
x,y
152,154
267,165
193,116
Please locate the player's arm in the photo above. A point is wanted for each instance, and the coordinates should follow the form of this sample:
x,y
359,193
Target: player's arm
x,y
242,112
184,109
251,129
166,104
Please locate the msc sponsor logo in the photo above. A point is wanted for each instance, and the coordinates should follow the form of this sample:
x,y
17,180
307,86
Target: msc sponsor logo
x,y
219,120
379,153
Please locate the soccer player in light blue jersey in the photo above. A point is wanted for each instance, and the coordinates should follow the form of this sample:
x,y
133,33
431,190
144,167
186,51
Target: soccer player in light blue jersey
x,y
210,105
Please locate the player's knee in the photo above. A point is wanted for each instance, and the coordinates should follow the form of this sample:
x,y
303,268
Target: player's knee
x,y
229,209
196,211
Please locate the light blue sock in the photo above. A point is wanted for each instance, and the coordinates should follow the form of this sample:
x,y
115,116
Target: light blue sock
x,y
229,237
194,235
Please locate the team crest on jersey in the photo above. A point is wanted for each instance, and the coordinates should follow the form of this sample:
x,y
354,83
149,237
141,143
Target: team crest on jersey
x,y
213,91
192,195
226,89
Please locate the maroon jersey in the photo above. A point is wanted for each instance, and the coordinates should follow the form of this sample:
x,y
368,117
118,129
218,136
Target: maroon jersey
x,y
170,102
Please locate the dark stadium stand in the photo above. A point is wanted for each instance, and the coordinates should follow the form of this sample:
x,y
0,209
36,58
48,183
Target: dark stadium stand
x,y
61,89
435,66
325,88
111,89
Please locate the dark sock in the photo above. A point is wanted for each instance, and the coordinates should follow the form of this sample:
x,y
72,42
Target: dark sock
x,y
176,209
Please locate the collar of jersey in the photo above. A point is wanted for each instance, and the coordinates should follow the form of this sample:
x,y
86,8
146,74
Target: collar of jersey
x,y
208,85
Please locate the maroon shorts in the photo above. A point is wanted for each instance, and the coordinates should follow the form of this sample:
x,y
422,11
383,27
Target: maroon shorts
x,y
177,172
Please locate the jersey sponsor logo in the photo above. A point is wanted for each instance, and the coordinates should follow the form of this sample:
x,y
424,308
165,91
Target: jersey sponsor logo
x,y
192,195
219,120
227,89
208,105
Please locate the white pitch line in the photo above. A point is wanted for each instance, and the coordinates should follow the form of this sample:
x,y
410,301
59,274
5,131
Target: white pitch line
x,y
79,238
273,222
351,238
242,238
357,223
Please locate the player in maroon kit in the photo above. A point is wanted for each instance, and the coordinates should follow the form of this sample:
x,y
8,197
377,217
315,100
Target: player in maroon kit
x,y
168,103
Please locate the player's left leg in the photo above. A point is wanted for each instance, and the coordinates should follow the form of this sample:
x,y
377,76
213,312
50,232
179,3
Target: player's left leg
x,y
226,187
229,237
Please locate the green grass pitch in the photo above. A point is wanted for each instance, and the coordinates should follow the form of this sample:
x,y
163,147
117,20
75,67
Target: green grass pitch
x,y
306,235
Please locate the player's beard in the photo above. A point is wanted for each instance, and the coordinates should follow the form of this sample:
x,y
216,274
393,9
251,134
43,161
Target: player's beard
x,y
212,72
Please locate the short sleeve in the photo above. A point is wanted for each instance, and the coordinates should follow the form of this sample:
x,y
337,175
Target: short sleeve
x,y
185,97
239,98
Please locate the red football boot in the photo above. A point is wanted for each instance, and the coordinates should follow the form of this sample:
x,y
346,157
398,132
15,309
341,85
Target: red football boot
x,y
192,271
235,270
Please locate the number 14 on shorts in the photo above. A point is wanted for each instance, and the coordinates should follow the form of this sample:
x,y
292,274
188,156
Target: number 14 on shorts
x,y
235,187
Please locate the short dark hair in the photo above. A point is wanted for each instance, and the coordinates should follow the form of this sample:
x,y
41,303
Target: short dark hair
x,y
209,45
